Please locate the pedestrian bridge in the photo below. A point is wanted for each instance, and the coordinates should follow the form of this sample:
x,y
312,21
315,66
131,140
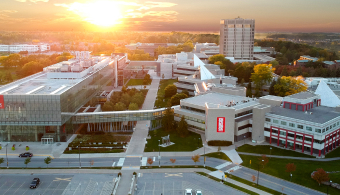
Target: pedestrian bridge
x,y
118,116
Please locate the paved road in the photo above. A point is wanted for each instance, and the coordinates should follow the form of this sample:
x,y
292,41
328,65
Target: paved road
x,y
37,162
176,183
275,183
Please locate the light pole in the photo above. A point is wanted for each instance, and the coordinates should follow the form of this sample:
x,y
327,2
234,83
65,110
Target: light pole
x,y
6,155
159,153
204,154
79,155
258,173
328,186
291,175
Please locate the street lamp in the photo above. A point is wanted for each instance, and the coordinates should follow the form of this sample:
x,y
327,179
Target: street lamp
x,y
328,186
204,154
6,155
258,173
79,155
291,175
159,153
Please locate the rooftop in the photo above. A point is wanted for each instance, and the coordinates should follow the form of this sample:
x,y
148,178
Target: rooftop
x,y
319,114
302,95
219,100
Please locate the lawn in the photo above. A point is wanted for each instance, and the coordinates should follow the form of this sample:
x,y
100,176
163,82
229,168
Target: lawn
x,y
189,143
334,153
107,139
92,150
133,82
302,175
265,149
219,155
160,101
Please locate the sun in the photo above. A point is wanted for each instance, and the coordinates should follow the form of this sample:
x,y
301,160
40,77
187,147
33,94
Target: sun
x,y
100,13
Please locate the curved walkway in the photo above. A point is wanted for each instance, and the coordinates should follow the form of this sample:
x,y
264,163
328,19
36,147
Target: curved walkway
x,y
292,157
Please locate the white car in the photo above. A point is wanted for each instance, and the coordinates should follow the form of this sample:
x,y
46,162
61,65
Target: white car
x,y
188,192
198,192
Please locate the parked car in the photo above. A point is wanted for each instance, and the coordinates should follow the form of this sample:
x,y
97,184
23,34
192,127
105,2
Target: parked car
x,y
198,192
26,154
188,192
35,182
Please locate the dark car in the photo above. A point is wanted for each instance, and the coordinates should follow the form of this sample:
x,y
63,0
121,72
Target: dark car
x,y
35,183
26,154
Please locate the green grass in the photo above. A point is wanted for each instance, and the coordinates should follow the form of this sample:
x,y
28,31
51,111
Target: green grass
x,y
160,94
133,82
228,184
219,155
189,143
302,175
271,191
333,153
265,149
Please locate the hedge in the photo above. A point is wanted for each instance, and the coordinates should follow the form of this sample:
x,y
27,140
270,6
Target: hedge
x,y
219,143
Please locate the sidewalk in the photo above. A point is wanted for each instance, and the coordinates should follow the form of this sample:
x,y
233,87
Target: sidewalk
x,y
292,157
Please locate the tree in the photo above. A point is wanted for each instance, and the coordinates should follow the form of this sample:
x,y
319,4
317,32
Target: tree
x,y
47,160
91,163
196,158
1,161
263,160
274,63
168,119
186,92
271,88
289,85
8,77
126,99
320,176
150,161
119,106
138,98
27,160
124,89
176,99
170,90
108,106
182,128
263,74
249,90
133,106
172,160
284,71
290,167
253,178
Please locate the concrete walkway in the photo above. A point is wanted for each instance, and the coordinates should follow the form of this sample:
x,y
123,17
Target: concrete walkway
x,y
220,174
233,155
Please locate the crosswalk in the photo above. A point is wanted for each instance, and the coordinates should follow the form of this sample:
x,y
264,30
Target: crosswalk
x,y
223,165
144,161
120,162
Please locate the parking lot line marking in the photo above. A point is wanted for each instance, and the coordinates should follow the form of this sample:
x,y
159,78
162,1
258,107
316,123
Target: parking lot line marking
x,y
3,184
173,175
144,188
113,165
62,179
10,187
18,188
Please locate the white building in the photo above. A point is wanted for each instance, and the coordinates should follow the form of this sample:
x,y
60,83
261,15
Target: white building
x,y
237,38
24,47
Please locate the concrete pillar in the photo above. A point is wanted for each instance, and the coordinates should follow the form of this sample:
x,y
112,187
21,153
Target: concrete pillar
x,y
36,133
258,122
8,128
58,134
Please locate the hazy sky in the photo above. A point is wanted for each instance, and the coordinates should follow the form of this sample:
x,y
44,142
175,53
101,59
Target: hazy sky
x,y
168,15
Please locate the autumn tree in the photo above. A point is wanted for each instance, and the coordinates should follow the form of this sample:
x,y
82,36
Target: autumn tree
x,y
253,178
168,119
133,106
27,160
47,160
170,90
249,92
320,176
289,85
263,74
176,99
196,158
263,160
290,167
1,161
150,161
172,160
182,128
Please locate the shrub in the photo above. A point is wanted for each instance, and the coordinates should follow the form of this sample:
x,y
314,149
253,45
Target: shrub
x,y
134,173
219,143
119,174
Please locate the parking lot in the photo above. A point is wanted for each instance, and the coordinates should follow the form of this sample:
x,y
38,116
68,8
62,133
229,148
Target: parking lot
x,y
75,184
176,183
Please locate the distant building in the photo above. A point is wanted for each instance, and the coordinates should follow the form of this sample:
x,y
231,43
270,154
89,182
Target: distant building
x,y
149,48
24,47
237,38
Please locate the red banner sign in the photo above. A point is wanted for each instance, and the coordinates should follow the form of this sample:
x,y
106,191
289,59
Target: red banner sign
x,y
2,103
220,124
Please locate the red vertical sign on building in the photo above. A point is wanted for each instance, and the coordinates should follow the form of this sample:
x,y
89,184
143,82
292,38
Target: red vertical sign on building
x,y
2,103
220,124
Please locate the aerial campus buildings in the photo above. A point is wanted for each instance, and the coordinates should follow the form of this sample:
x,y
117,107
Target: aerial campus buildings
x,y
24,47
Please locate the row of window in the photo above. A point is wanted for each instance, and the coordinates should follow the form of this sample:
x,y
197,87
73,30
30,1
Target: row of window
x,y
190,118
308,128
298,137
244,127
243,113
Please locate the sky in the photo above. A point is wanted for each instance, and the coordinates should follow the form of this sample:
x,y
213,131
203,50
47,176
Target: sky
x,y
168,15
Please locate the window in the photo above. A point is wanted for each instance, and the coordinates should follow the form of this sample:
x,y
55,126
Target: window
x,y
276,121
282,133
309,128
283,123
230,26
268,119
330,127
300,126
337,123
291,124
327,128
318,130
334,124
323,130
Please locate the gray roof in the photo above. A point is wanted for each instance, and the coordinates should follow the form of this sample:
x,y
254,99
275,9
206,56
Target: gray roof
x,y
302,95
320,114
